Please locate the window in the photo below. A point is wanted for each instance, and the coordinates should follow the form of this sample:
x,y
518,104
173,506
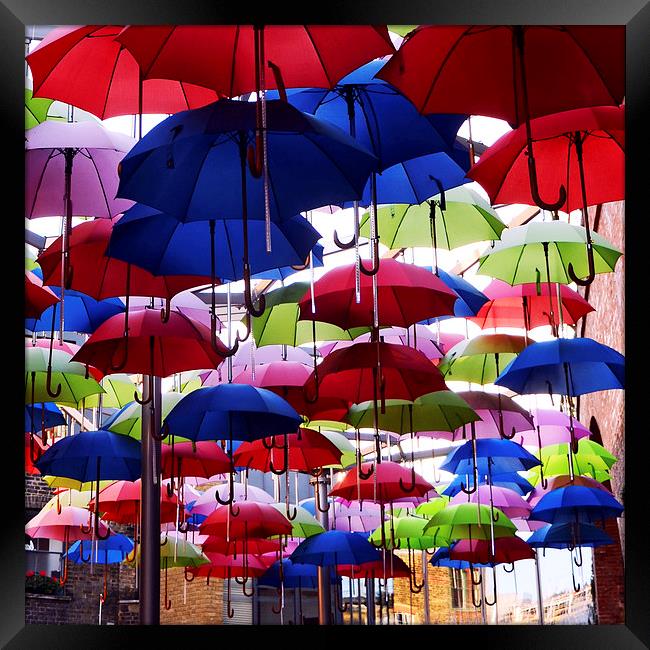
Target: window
x,y
459,591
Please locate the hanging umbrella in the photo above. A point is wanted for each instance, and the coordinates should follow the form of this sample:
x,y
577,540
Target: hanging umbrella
x,y
441,559
36,109
469,521
293,576
250,520
43,371
508,501
480,359
37,297
563,480
69,349
510,480
576,503
569,535
590,458
303,523
119,389
203,458
404,532
335,547
86,67
581,150
69,497
43,416
285,272
527,306
470,299
207,503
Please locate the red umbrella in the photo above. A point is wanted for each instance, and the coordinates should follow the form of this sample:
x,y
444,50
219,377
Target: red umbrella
x,y
254,546
204,458
37,297
406,294
527,306
223,57
518,73
300,452
86,67
153,347
394,567
506,550
34,448
390,483
120,502
249,520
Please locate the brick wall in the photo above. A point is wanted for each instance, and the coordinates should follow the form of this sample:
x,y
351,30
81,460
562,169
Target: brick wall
x,y
202,605
607,326
37,491
128,612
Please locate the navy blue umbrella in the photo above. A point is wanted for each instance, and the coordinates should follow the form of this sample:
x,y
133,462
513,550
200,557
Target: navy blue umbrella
x,y
286,271
335,547
162,245
576,503
82,313
303,576
46,416
93,456
569,367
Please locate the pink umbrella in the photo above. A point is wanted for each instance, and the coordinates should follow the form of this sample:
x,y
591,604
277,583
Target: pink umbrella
x,y
186,302
353,518
554,428
506,500
206,504
527,525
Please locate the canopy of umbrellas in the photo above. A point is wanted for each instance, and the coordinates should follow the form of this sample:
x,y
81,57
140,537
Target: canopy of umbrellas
x,y
267,124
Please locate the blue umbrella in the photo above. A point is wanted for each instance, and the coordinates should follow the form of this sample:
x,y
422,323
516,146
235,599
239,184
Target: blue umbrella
x,y
492,456
286,271
231,412
302,576
93,456
441,559
569,535
470,299
112,550
46,416
510,480
82,313
308,163
335,547
576,503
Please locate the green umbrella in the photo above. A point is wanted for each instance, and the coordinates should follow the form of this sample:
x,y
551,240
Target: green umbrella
x,y
443,410
30,261
542,251
304,524
406,532
592,459
119,392
36,109
189,381
480,360
279,323
470,521
468,218
402,30
129,421
348,456
70,375
432,507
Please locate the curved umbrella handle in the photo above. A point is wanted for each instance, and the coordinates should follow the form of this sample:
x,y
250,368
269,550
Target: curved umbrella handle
x,y
120,366
142,402
168,603
318,471
243,588
578,550
279,608
576,588
81,554
364,476
34,452
275,471
63,579
104,595
534,187
344,245
412,487
241,339
318,505
229,610
466,490
255,157
476,583
255,312
186,575
374,269
164,432
85,529
592,269
279,81
511,569
494,583
480,601
337,602
289,515
48,383
165,312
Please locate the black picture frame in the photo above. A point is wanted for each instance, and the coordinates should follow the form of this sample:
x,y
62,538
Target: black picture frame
x,y
634,14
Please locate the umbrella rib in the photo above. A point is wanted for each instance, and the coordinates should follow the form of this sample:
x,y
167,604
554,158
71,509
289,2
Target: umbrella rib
x,y
101,184
313,44
110,82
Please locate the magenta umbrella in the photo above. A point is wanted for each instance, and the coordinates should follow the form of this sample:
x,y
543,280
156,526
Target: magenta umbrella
x,y
506,500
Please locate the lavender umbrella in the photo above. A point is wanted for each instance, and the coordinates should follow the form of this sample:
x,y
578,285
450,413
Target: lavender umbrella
x,y
207,503
506,500
554,429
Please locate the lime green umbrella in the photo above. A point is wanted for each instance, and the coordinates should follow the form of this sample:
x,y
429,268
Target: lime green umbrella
x,y
432,507
542,251
443,410
119,389
592,459
406,532
480,360
348,450
304,524
402,30
189,381
36,109
470,521
326,424
468,218
70,375
279,323
30,260
128,422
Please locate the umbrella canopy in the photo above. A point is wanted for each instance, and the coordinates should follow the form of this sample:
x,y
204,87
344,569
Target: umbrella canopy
x,y
310,163
527,305
335,547
100,276
305,451
441,411
430,67
520,256
204,459
37,297
503,455
43,416
121,502
469,521
406,294
68,374
119,390
206,503
91,456
506,550
467,218
394,567
238,411
69,348
590,458
441,559
348,373
389,482
86,67
510,480
128,420
293,576
228,566
68,525
480,359
563,480
554,427
576,503
36,109
153,347
569,535
470,299
599,132
215,544
251,520
508,501
304,524
404,532
566,367
113,550
222,56
94,179
82,313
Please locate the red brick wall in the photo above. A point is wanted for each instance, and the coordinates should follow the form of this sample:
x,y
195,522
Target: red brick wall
x,y
203,603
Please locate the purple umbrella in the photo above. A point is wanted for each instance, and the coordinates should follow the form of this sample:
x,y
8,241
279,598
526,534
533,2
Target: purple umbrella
x,y
353,518
554,429
506,500
186,302
207,503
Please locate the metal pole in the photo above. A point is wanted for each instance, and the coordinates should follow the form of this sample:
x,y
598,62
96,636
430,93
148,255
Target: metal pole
x,y
150,529
425,576
324,592
370,601
540,599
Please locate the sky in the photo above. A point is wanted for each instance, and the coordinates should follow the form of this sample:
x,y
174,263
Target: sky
x,y
555,565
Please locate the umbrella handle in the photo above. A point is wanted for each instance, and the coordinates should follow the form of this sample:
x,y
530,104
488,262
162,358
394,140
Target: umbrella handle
x,y
476,583
344,245
81,554
85,529
63,579
480,601
374,269
578,551
364,476
592,269
337,602
255,312
314,399
412,487
467,491
317,472
241,339
142,402
289,516
511,569
104,595
275,471
272,445
34,453
164,432
165,312
279,81
254,156
168,603
576,588
187,573
279,609
534,187
48,383
229,610
494,583
318,506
